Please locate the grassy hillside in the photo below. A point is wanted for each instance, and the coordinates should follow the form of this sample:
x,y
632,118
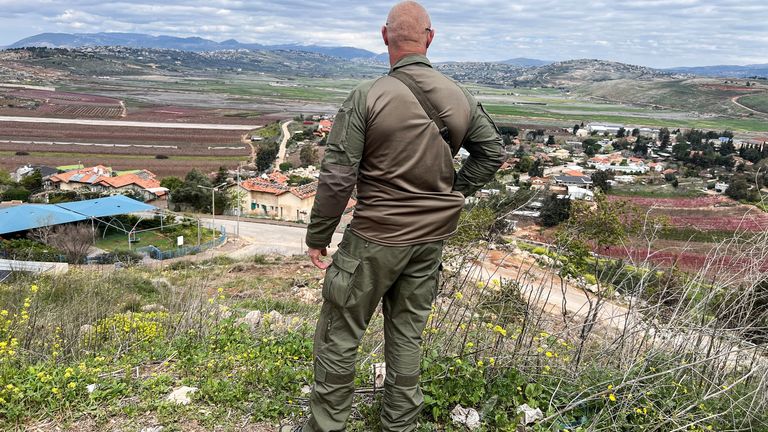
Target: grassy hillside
x,y
703,96
102,350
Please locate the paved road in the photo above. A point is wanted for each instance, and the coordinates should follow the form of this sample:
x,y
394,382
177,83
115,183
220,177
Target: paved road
x,y
283,143
269,239
128,123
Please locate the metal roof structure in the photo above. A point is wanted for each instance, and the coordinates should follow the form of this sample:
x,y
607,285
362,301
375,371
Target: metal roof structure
x,y
108,206
30,216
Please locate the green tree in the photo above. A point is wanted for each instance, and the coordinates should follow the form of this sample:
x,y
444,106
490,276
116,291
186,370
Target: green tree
x,y
555,210
308,155
621,133
32,181
600,180
221,176
16,193
551,140
635,132
664,138
5,178
738,188
590,146
198,198
524,165
681,150
266,156
576,128
537,169
172,183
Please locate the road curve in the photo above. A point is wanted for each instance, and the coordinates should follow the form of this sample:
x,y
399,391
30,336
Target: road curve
x,y
87,122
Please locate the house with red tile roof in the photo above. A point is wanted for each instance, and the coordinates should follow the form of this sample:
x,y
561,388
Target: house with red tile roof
x,y
143,183
80,178
263,197
100,179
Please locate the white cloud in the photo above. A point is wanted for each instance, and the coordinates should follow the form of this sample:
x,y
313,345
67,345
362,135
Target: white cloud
x,y
648,32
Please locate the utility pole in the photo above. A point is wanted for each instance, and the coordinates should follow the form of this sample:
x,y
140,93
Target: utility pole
x,y
213,205
239,200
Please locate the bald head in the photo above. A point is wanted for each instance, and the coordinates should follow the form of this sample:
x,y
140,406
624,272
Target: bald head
x,y
408,30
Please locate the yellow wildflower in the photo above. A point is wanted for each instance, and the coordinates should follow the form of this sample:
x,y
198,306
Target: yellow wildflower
x,y
500,330
612,397
459,295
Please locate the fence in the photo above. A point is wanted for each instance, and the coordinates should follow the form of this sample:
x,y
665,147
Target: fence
x,y
158,254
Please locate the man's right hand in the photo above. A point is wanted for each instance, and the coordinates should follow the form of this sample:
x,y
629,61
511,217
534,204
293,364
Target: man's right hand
x,y
315,254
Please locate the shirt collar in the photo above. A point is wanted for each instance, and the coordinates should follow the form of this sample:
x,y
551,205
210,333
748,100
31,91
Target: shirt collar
x,y
412,59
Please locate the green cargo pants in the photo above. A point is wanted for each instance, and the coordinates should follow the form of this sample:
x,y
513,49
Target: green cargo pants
x,y
363,273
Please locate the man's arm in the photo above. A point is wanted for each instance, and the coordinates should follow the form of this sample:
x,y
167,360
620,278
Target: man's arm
x,y
486,152
338,173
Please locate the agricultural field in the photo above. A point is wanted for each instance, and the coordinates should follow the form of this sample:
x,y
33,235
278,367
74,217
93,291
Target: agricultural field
x,y
697,228
44,103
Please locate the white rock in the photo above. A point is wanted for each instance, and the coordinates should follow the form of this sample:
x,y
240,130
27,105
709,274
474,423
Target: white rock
x,y
308,295
252,318
468,417
153,429
86,330
180,396
530,415
153,308
306,390
91,388
379,374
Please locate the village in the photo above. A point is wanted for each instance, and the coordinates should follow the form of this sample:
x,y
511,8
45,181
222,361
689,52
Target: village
x,y
565,164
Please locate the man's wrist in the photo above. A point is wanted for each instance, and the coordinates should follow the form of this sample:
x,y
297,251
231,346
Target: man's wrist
x,y
313,244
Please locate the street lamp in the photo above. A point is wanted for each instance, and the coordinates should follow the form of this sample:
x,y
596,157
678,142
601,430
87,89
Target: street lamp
x,y
213,205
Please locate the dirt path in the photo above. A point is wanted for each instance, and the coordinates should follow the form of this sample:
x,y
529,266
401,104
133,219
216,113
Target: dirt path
x,y
283,143
245,140
544,287
735,100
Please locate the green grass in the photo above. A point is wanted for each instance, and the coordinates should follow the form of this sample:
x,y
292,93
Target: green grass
x,y
758,102
531,112
694,235
655,192
163,240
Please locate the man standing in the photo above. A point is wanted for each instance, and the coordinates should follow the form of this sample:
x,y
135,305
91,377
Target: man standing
x,y
398,150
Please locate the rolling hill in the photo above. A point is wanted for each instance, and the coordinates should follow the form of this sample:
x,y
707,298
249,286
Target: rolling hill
x,y
193,44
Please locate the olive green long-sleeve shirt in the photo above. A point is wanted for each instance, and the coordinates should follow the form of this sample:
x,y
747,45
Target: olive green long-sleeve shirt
x,y
384,143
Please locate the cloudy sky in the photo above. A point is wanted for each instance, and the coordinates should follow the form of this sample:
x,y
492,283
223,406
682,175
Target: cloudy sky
x,y
659,33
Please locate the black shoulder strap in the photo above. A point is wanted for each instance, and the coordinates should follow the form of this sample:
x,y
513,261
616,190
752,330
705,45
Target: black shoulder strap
x,y
424,102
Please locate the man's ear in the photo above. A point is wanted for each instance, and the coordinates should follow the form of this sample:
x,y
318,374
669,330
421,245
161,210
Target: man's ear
x,y
430,36
384,35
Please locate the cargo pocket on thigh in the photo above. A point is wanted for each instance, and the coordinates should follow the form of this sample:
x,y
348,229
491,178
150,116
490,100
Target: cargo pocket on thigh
x,y
340,278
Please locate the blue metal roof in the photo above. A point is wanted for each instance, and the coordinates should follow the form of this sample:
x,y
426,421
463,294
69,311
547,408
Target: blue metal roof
x,y
30,216
108,206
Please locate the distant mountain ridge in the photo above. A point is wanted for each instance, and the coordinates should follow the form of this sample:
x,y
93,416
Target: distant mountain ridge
x,y
725,71
193,44
525,62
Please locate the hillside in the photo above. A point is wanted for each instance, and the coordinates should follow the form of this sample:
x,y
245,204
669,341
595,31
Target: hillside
x,y
101,61
566,74
700,96
578,72
194,44
725,71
